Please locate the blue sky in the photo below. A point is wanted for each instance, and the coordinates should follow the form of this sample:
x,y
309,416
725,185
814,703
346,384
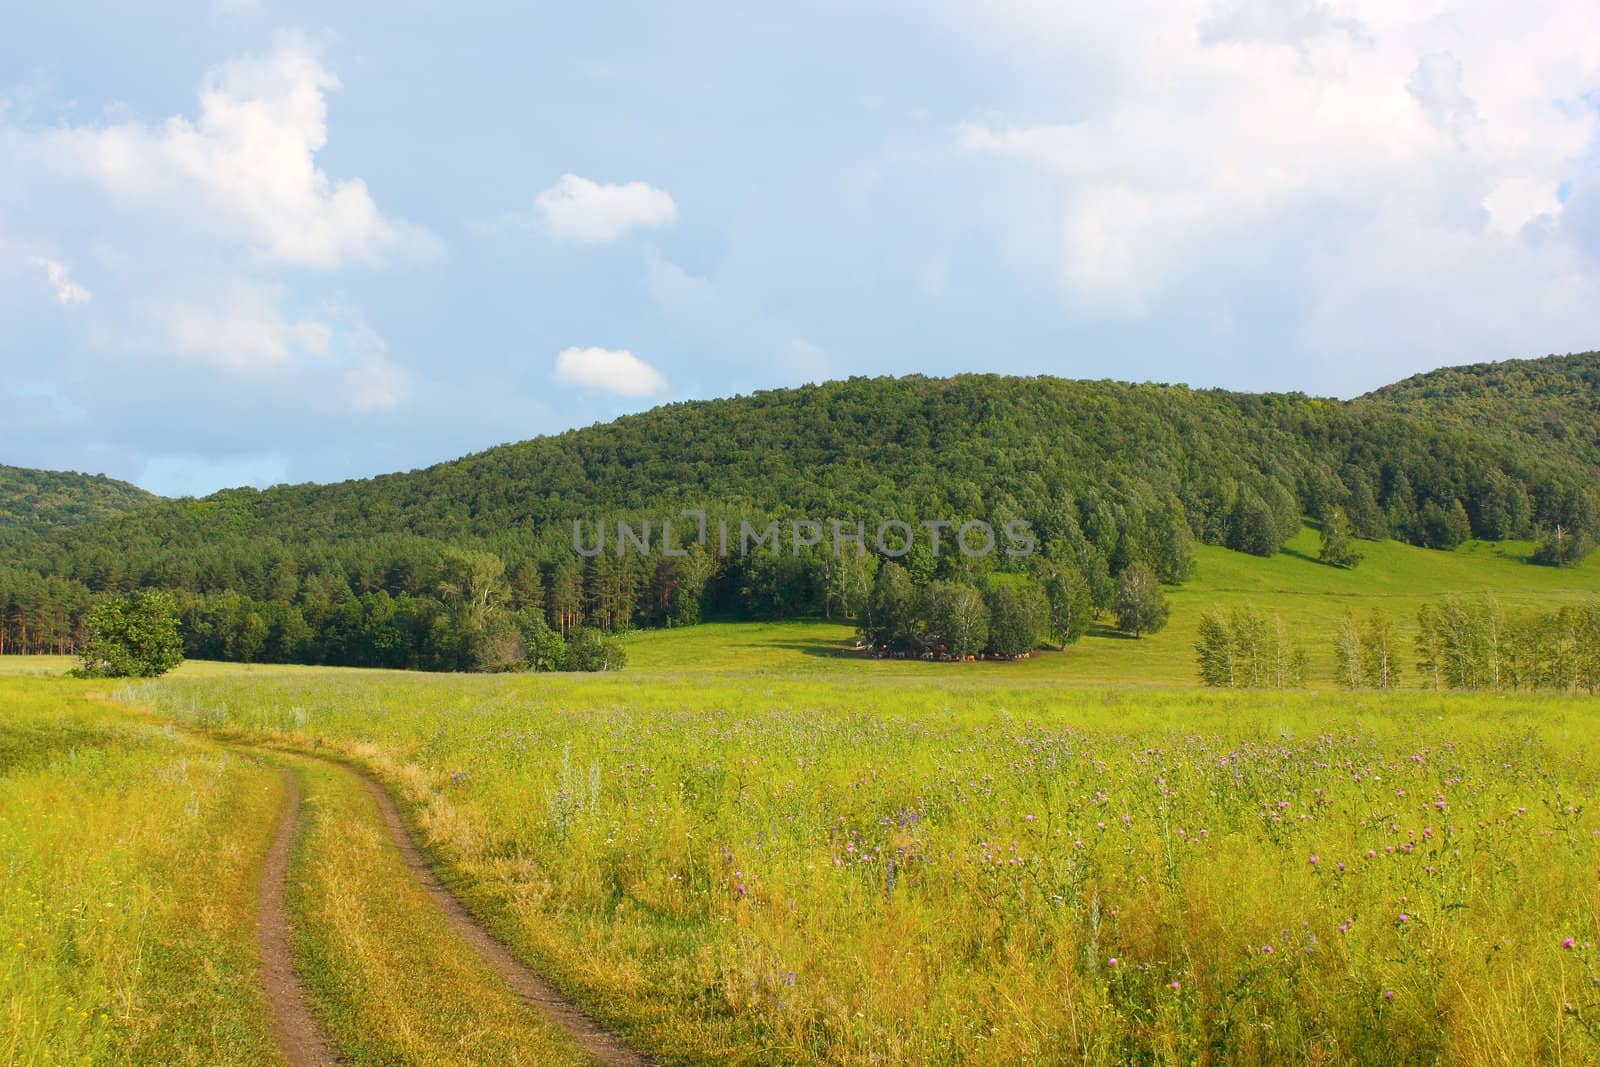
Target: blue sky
x,y
252,242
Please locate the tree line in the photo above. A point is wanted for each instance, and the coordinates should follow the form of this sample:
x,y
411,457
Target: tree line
x,y
1461,642
1110,477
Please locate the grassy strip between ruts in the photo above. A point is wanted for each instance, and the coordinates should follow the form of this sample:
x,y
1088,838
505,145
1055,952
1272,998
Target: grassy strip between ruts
x,y
390,980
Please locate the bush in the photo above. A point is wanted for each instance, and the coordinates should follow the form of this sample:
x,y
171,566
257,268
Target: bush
x,y
135,636
589,649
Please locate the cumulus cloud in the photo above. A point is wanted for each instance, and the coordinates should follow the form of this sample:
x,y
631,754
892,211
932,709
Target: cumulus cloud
x,y
246,163
1290,22
620,372
1423,130
244,329
213,239
59,276
577,209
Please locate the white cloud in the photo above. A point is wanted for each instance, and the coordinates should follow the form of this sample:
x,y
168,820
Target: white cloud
x,y
619,372
169,206
375,384
246,164
243,330
1219,135
59,275
577,209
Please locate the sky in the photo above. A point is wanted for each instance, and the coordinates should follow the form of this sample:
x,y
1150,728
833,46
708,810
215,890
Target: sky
x,y
255,241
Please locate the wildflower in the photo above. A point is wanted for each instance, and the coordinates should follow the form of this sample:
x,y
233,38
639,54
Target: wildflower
x,y
1388,994
1266,950
1112,962
1174,985
1404,917
1315,860
1569,942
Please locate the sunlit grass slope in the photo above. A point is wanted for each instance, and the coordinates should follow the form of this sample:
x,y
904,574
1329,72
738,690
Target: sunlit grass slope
x,y
1310,596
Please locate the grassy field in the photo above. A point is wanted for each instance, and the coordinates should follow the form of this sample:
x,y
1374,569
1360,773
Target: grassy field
x,y
129,883
761,867
1310,596
755,847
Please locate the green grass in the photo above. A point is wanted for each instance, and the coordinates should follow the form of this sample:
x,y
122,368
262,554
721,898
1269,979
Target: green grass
x,y
1311,597
754,846
127,892
704,858
391,980
35,666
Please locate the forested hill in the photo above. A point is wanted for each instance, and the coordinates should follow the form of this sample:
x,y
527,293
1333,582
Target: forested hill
x,y
33,501
1107,473
1554,403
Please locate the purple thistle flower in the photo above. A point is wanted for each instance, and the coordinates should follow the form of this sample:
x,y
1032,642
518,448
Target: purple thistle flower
x,y
1569,942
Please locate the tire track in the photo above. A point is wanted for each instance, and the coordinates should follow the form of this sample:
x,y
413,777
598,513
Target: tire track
x,y
294,1025
605,1047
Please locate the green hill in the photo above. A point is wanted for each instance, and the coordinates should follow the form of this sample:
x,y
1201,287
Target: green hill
x,y
387,571
32,501
1553,403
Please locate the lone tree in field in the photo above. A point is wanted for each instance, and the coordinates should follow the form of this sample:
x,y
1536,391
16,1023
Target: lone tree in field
x,y
135,636
1141,606
1338,540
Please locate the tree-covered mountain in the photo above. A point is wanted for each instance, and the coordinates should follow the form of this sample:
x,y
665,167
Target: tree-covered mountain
x,y
416,569
1553,403
33,501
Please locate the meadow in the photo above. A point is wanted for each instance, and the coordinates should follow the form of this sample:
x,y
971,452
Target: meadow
x,y
759,868
754,846
116,945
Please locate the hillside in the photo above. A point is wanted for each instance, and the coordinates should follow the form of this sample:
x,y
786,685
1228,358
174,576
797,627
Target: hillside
x,y
373,572
1310,597
33,501
1554,403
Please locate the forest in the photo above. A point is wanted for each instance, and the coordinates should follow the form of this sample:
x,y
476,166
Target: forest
x,y
469,565
32,502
